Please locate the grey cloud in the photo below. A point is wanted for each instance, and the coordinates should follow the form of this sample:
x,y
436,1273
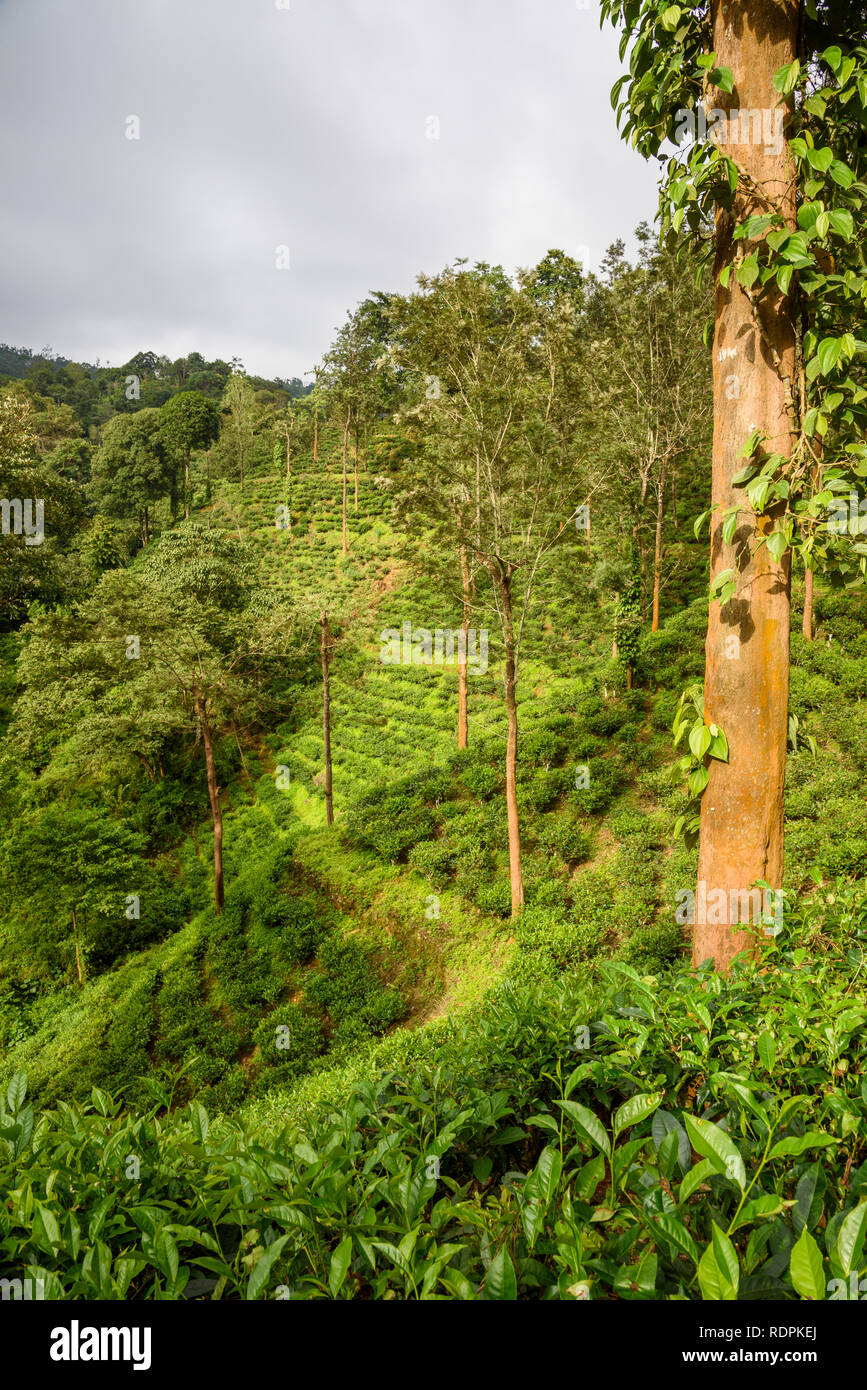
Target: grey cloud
x,y
303,126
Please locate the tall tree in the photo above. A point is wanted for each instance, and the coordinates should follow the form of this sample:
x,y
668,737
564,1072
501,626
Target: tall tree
x,y
496,370
776,122
132,469
189,421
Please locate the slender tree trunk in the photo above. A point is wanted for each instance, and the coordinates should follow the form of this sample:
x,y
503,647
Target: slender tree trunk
x,y
79,964
807,627
463,722
657,549
325,652
315,432
289,477
345,453
747,668
356,464
186,484
504,582
214,798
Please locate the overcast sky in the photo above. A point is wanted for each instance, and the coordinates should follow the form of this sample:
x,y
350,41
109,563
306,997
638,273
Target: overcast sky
x,y
305,127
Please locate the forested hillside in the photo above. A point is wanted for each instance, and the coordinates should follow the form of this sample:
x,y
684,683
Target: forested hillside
x,y
394,783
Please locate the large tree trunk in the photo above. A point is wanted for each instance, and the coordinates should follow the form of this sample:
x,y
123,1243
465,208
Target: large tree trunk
x,y
504,583
345,453
463,722
325,652
657,548
747,668
214,798
807,627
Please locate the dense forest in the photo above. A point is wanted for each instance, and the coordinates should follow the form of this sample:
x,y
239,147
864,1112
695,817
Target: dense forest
x,y
434,852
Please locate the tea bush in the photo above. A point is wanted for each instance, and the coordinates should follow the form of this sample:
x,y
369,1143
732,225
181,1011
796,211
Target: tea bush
x,y
620,1137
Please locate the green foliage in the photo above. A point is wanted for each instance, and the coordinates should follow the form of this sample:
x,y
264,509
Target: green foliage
x,y
511,1156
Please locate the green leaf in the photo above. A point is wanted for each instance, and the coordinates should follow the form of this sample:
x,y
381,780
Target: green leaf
x,y
340,1262
718,1272
588,1123
262,1268
16,1092
799,1143
806,1269
850,1238
820,159
842,222
833,56
670,18
674,1231
637,1108
767,1050
45,1219
719,747
500,1281
698,780
786,78
777,545
723,78
700,739
548,1169
716,1146
199,1121
841,174
166,1253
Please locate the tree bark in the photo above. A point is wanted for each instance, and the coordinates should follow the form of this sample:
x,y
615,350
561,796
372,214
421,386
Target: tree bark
x,y
504,582
356,464
807,627
289,476
214,798
657,548
325,652
463,722
345,452
747,649
79,965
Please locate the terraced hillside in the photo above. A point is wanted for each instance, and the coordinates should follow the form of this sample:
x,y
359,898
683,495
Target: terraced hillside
x,y
399,912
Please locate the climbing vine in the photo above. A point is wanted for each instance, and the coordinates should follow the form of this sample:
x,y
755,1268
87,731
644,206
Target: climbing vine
x,y
672,94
